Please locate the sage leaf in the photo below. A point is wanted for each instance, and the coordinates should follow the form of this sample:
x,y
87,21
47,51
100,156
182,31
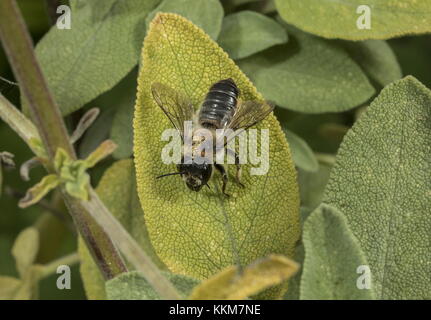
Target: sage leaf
x,y
133,286
207,14
376,59
308,74
259,275
381,182
9,287
195,233
302,154
248,32
348,19
312,185
25,249
99,49
332,258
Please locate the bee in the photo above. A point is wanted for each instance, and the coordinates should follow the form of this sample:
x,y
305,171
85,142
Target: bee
x,y
222,108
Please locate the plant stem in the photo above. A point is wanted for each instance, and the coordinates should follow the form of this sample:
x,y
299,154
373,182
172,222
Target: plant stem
x,y
19,49
17,121
47,118
130,248
48,269
325,158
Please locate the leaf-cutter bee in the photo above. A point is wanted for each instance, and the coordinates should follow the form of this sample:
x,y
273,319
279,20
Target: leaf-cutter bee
x,y
221,109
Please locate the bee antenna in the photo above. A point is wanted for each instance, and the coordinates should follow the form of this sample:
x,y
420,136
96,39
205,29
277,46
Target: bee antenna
x,y
169,174
208,186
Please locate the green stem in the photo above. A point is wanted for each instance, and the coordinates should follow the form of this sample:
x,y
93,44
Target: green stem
x,y
17,121
19,49
130,248
50,268
47,118
325,158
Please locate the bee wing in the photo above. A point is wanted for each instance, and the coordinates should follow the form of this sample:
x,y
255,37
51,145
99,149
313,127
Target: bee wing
x,y
176,106
247,114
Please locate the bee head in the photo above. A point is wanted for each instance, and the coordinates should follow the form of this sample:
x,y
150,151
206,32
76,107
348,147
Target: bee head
x,y
195,175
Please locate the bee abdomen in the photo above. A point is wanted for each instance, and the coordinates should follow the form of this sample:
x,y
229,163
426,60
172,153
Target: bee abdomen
x,y
219,104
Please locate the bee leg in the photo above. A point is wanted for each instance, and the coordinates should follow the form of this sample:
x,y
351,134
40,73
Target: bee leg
x,y
221,169
238,167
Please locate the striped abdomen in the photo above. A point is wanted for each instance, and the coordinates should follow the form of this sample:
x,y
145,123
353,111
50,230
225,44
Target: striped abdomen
x,y
219,104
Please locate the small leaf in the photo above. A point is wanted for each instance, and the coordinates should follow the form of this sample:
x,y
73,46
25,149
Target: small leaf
x,y
99,130
78,187
308,74
302,154
207,14
38,191
101,47
133,286
8,287
6,161
381,181
376,59
190,230
332,257
84,123
335,19
101,152
25,249
229,284
248,32
117,190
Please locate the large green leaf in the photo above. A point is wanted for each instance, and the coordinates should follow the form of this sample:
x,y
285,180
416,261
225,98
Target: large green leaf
x,y
207,14
308,74
338,19
133,286
191,231
376,59
332,258
382,180
117,189
247,32
101,47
